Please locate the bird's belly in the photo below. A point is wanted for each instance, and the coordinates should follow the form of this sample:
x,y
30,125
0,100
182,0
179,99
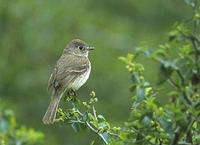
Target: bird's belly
x,y
78,82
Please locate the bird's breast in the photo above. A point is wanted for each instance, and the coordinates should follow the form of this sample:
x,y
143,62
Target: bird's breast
x,y
81,80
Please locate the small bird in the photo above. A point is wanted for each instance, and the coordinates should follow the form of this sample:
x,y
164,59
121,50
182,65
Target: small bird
x,y
71,71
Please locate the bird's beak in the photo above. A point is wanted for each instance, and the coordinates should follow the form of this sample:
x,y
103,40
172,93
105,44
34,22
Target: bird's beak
x,y
90,48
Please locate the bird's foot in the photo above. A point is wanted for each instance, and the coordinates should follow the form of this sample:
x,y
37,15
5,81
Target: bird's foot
x,y
72,93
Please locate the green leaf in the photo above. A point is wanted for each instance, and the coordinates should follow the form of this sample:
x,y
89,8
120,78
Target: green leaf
x,y
29,136
128,59
135,78
100,118
90,116
140,94
123,59
106,136
146,120
92,143
166,70
78,126
166,125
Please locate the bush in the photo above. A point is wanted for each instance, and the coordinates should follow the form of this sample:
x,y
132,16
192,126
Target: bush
x,y
13,134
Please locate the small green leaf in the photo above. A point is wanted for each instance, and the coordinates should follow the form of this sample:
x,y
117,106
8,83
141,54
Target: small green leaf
x,y
166,124
146,120
140,94
123,59
92,143
101,118
166,71
90,116
78,126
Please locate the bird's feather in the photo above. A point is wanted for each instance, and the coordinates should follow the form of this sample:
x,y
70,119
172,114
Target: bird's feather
x,y
67,69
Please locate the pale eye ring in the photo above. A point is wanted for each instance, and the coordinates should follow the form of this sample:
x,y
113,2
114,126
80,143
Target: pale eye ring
x,y
80,47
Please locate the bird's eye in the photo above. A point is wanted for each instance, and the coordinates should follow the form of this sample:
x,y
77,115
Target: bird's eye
x,y
80,47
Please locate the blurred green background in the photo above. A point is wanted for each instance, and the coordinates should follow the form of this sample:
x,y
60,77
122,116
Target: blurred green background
x,y
33,34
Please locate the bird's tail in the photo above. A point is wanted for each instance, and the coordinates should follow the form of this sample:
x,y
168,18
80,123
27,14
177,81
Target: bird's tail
x,y
50,115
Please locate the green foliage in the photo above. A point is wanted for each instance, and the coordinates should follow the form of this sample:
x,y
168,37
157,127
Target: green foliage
x,y
13,134
83,115
176,122
34,32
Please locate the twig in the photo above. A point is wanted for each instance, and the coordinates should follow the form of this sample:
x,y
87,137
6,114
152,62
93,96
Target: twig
x,y
90,127
193,40
176,137
196,105
77,110
114,134
94,112
195,22
172,83
183,84
95,131
188,131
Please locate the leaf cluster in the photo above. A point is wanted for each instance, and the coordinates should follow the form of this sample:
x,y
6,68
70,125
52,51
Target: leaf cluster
x,y
11,133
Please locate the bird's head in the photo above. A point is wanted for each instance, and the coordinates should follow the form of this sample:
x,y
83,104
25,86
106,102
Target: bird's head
x,y
78,47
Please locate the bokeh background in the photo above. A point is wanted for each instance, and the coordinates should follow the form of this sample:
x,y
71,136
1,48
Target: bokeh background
x,y
33,34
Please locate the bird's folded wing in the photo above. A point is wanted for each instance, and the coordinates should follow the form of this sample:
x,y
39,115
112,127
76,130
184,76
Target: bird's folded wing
x,y
67,69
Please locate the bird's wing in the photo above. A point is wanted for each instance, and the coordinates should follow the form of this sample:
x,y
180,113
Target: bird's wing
x,y
52,78
67,69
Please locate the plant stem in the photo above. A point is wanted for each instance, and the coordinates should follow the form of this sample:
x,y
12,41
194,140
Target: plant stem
x,y
94,112
194,40
194,10
188,131
197,105
183,85
90,127
176,137
95,131
172,83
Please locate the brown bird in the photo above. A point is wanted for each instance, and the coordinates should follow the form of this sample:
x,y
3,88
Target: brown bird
x,y
70,72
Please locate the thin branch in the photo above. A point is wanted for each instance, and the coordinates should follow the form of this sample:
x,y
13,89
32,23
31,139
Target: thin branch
x,y
183,84
176,137
75,121
194,42
188,131
172,83
195,22
196,105
94,112
114,134
91,128
77,110
181,77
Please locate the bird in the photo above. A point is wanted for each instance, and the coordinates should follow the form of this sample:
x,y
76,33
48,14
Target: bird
x,y
71,71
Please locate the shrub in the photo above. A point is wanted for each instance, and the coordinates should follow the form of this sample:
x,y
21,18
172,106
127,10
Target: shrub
x,y
13,134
